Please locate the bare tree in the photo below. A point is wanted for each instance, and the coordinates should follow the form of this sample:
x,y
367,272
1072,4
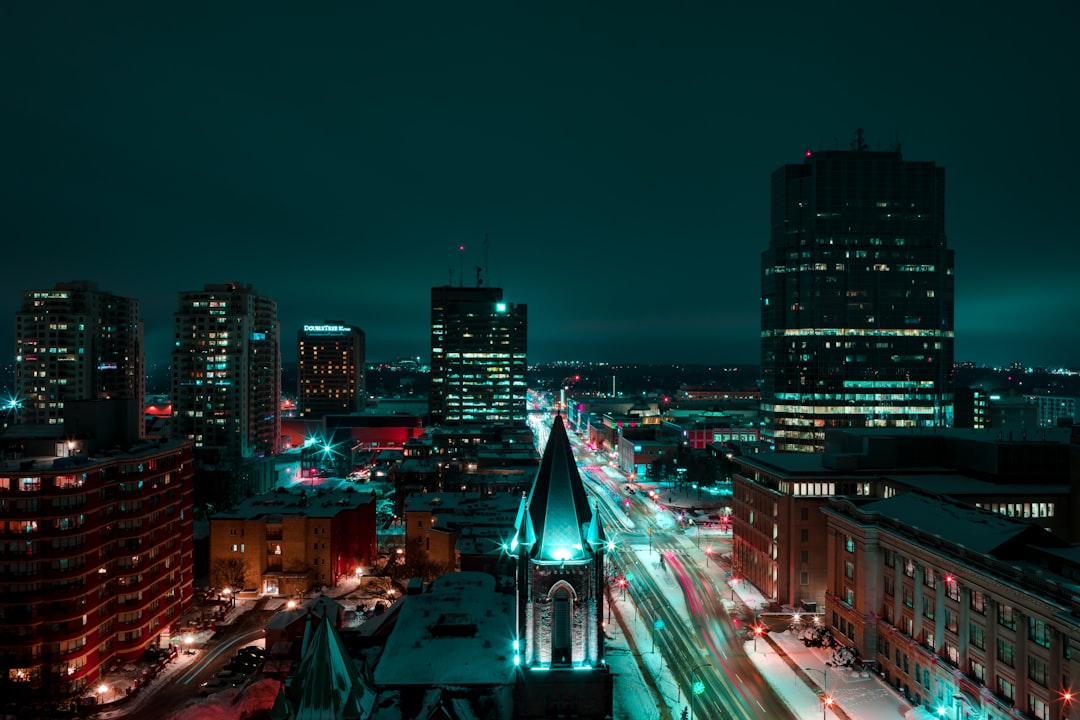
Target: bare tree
x,y
228,572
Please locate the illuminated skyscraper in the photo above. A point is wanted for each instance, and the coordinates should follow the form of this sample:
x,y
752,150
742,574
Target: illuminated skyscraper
x,y
226,372
478,356
330,369
76,342
856,297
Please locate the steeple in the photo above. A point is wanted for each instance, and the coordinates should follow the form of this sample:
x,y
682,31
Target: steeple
x,y
557,507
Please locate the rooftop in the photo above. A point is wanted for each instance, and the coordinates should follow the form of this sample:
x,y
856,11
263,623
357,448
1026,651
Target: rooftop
x,y
293,502
461,631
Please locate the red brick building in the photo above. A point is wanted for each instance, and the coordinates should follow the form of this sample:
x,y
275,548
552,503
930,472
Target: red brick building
x,y
95,564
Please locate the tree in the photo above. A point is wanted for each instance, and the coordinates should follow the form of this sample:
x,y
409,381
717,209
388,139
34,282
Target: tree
x,y
228,572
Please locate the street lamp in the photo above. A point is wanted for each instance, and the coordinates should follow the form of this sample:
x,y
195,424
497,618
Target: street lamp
x,y
696,686
758,629
658,624
826,700
708,555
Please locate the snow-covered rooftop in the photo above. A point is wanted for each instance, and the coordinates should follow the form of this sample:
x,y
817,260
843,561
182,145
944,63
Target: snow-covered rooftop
x,y
460,632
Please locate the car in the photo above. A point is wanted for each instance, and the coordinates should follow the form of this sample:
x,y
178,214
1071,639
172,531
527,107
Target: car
x,y
243,664
253,651
216,684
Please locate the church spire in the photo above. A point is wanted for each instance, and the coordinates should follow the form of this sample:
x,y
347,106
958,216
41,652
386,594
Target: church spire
x,y
558,506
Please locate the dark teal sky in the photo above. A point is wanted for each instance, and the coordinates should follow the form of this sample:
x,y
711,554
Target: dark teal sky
x,y
618,155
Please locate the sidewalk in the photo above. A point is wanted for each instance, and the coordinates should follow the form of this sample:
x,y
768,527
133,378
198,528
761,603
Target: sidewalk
x,y
803,675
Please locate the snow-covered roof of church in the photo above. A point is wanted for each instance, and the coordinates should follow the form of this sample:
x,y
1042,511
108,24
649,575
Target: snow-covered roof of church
x,y
460,632
328,684
557,506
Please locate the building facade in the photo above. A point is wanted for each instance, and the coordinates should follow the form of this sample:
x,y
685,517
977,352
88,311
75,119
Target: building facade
x,y
967,613
778,498
478,356
330,369
856,297
96,564
286,543
76,342
226,372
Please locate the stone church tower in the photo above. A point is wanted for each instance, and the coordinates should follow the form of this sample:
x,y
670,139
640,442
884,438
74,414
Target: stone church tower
x,y
559,545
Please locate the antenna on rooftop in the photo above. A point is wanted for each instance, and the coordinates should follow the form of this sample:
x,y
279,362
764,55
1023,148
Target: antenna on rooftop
x,y
486,257
857,144
461,266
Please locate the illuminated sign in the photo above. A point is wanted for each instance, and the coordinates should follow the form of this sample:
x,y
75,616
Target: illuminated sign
x,y
327,329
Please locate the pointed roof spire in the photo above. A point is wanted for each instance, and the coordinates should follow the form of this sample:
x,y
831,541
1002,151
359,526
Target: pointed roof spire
x,y
524,533
328,685
596,529
282,709
558,506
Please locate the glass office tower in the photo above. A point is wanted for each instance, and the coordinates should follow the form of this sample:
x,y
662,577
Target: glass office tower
x,y
478,356
856,297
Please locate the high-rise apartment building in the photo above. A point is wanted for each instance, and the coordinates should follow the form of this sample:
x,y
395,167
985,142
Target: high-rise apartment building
x,y
77,342
856,297
97,562
226,372
478,356
330,369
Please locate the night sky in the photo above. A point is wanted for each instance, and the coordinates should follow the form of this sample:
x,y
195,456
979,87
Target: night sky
x,y
616,154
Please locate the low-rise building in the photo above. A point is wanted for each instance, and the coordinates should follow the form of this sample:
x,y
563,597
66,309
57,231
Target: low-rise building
x,y
777,526
289,541
957,607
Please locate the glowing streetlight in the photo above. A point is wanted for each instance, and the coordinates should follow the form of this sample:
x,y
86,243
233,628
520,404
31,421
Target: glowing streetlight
x,y
826,699
291,604
658,624
708,555
758,630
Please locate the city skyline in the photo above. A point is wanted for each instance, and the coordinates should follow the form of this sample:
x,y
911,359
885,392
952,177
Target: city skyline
x,y
618,163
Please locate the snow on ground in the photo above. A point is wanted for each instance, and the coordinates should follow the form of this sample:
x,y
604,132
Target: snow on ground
x,y
858,694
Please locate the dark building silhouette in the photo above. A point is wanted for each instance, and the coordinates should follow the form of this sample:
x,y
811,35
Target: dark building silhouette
x,y
478,356
856,297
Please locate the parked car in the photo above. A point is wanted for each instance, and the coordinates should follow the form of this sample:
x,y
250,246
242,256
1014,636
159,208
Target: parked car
x,y
243,664
253,651
216,684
